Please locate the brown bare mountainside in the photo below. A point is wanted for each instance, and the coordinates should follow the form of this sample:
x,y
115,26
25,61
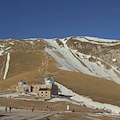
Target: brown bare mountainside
x,y
29,61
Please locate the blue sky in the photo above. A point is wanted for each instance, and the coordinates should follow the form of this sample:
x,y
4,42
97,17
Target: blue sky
x,y
59,18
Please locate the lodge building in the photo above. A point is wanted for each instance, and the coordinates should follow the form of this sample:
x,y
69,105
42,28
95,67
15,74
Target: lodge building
x,y
43,91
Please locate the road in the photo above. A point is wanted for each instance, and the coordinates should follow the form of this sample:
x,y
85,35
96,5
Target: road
x,y
26,115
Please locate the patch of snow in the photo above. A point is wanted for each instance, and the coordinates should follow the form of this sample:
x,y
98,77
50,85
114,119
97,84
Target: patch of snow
x,y
103,41
104,114
11,43
100,39
31,39
2,46
1,52
75,42
38,40
8,48
58,99
31,42
61,45
95,40
65,65
6,66
88,56
114,60
63,100
116,67
87,101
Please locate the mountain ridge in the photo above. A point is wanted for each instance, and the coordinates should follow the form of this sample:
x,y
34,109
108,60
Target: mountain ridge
x,y
78,66
83,51
88,55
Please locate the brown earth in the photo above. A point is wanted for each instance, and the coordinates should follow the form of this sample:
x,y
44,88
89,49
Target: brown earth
x,y
82,115
98,89
42,105
79,112
25,65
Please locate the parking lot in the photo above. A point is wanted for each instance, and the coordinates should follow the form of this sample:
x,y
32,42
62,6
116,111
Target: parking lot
x,y
25,114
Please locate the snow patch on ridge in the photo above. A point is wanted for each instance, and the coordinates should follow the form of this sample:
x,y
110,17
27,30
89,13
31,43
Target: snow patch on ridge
x,y
2,46
1,52
113,59
11,43
6,66
95,40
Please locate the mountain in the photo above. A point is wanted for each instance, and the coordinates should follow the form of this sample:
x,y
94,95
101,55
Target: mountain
x,y
87,65
92,56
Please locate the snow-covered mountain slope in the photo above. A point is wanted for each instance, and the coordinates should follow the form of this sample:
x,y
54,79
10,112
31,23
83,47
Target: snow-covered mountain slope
x,y
92,56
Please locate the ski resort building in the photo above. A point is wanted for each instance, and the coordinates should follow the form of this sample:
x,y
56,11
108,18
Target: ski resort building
x,y
43,91
22,87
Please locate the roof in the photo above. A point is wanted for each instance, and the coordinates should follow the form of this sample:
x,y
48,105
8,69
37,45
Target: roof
x,y
44,89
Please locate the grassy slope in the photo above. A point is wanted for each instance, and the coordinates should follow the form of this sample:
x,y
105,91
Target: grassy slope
x,y
25,65
98,89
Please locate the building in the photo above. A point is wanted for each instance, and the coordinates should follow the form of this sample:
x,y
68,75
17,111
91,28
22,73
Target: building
x,y
44,91
54,87
36,88
22,87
